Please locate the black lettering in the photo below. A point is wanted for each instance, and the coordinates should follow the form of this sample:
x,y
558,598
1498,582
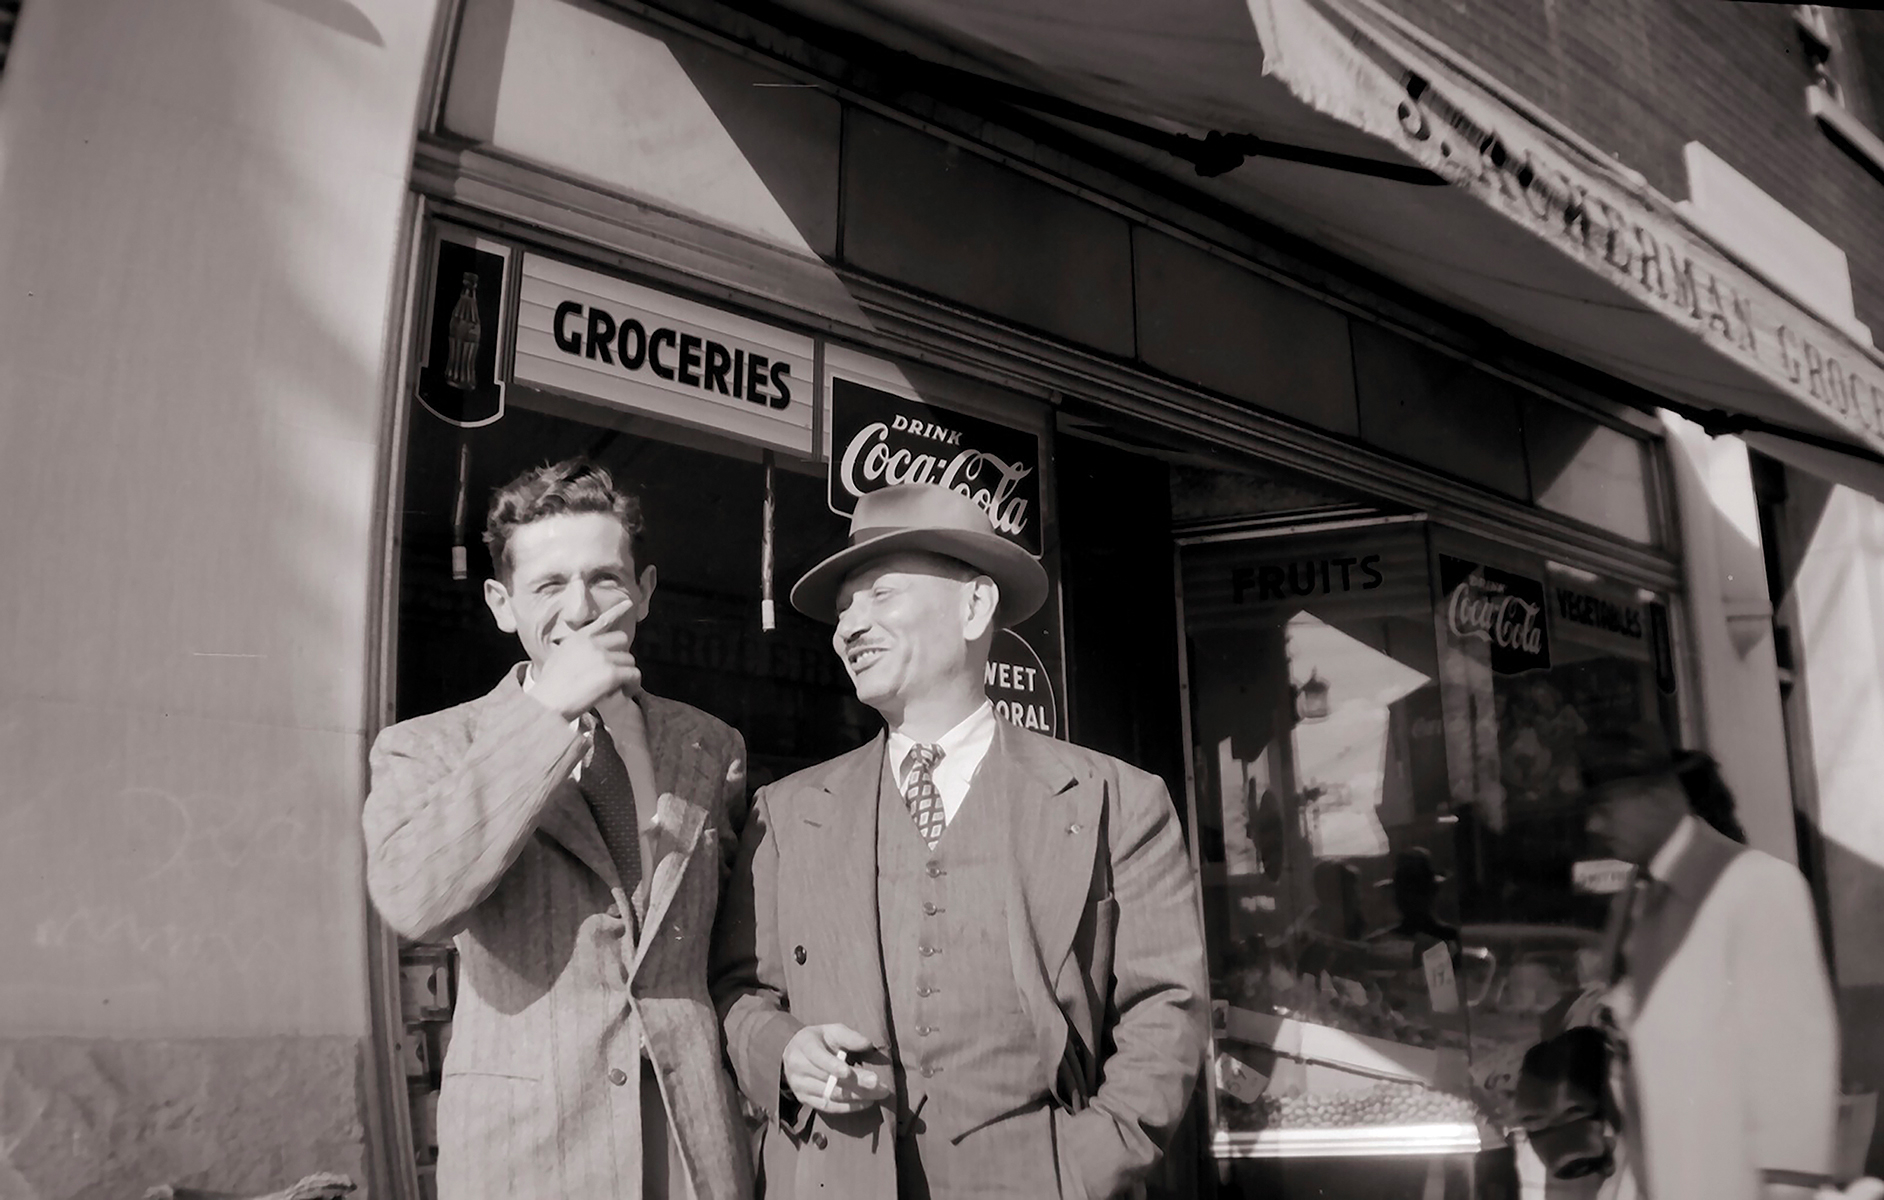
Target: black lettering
x,y
1651,260
1717,311
1743,313
1242,579
631,361
1612,241
690,359
566,341
1788,352
714,374
601,333
1576,213
1815,368
739,373
1367,565
657,339
1306,585
1269,583
755,377
779,372
1344,564
1835,377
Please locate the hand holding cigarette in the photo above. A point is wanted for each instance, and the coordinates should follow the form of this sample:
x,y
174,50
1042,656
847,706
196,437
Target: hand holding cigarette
x,y
819,1069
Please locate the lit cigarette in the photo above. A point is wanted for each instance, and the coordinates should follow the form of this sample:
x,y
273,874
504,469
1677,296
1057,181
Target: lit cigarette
x,y
830,1088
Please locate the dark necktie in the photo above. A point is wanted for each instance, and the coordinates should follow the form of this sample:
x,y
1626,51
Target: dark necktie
x,y
604,784
921,794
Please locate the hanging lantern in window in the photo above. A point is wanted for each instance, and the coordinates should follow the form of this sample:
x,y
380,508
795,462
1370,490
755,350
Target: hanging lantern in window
x,y
1311,699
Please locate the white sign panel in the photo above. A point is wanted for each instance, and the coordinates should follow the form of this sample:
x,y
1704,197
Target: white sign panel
x,y
594,336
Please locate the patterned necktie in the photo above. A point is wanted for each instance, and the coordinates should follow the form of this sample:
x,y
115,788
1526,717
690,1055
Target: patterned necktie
x,y
604,784
921,794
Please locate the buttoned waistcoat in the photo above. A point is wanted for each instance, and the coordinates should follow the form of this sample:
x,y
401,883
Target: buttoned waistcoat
x,y
1102,937
475,831
961,1040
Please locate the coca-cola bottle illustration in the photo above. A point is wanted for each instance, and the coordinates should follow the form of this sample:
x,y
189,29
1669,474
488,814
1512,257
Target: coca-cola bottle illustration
x,y
463,337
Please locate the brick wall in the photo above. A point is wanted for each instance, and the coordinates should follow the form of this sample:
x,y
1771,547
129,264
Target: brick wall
x,y
1639,78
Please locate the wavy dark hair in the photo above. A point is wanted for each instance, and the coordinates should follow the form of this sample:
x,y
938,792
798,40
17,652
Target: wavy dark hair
x,y
574,485
1708,794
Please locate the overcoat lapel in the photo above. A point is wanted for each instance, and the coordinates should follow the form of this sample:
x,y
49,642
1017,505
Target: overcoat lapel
x,y
838,827
1659,935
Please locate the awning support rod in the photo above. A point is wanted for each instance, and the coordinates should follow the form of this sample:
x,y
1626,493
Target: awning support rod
x,y
1214,154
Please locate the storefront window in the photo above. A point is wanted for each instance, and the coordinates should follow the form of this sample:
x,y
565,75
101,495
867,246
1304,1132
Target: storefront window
x,y
1385,723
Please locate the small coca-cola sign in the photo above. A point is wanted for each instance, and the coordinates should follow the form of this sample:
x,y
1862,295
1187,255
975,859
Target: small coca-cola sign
x,y
1502,610
879,439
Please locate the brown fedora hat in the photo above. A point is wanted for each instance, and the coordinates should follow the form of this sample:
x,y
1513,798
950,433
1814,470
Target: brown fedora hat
x,y
925,518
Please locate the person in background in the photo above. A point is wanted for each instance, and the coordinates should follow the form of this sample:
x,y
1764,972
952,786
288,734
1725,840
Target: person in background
x,y
1415,886
1729,1077
963,960
571,833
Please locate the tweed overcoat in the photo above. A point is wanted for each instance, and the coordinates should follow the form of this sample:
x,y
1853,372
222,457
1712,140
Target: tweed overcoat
x,y
475,831
1104,941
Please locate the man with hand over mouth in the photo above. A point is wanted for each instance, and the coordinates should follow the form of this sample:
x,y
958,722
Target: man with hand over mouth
x,y
570,833
962,960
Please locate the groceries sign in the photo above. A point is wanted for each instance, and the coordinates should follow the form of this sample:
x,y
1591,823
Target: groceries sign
x,y
597,337
1502,610
879,439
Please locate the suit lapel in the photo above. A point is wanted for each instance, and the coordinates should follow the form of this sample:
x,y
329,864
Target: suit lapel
x,y
569,821
837,824
566,819
671,825
1053,834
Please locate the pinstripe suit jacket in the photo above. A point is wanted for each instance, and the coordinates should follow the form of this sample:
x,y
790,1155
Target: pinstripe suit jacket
x,y
475,831
1103,938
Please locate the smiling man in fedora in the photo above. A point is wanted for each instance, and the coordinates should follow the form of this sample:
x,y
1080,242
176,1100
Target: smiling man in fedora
x,y
962,959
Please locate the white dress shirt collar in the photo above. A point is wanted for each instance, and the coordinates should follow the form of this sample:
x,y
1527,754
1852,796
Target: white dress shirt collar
x,y
1672,849
963,749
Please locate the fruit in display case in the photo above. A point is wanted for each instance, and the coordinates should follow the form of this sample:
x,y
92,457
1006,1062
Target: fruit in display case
x,y
1385,1104
1352,1006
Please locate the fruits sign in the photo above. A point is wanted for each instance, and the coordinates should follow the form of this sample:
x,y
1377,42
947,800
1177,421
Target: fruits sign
x,y
1501,609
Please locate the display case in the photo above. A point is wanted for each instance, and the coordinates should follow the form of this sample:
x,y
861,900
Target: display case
x,y
1399,899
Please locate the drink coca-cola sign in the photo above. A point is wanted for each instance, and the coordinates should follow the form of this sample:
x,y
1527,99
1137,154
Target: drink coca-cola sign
x,y
879,439
1503,611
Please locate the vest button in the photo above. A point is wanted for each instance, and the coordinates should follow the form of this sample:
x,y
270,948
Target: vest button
x,y
924,1030
617,1076
929,909
935,870
925,990
819,1140
798,955
925,951
927,1072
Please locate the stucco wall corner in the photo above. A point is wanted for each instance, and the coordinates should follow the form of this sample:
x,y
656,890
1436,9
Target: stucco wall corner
x,y
82,1117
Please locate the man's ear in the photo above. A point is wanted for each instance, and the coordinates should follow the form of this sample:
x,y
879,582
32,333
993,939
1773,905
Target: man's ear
x,y
646,584
497,599
980,600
